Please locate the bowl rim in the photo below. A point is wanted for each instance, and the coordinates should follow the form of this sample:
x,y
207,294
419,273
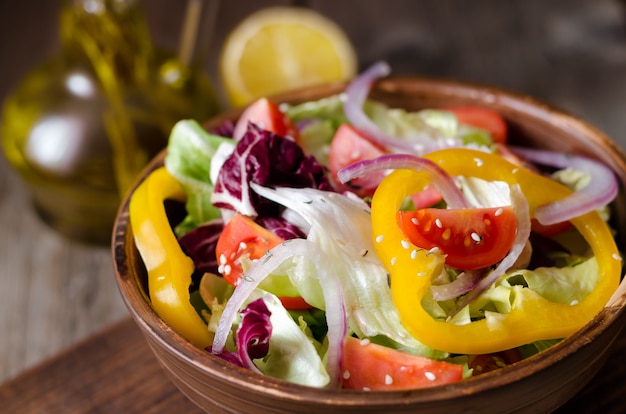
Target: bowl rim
x,y
508,102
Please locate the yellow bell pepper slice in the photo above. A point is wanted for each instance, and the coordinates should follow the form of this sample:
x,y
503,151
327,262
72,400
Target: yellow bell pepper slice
x,y
169,269
412,269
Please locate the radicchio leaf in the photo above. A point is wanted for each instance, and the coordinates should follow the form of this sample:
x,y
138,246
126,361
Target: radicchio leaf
x,y
199,244
282,228
225,130
267,159
254,332
253,336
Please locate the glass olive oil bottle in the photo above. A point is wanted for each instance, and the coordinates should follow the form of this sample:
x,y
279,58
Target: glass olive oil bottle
x,y
80,126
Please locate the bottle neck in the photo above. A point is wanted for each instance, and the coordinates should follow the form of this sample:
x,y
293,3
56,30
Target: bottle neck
x,y
111,34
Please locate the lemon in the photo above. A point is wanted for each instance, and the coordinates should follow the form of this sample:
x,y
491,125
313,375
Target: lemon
x,y
281,48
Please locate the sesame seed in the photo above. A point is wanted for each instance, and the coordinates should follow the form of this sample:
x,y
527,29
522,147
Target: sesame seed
x,y
227,270
414,221
365,341
380,238
355,155
394,260
405,244
388,379
574,302
446,234
242,245
438,223
476,237
430,375
413,254
617,256
222,258
434,250
421,274
478,162
367,389
346,374
498,212
220,268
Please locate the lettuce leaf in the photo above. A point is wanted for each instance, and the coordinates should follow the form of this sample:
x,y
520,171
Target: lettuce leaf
x,y
190,153
566,285
341,226
292,354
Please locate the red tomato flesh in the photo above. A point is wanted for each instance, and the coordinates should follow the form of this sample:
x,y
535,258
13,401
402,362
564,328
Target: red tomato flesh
x,y
347,147
368,366
471,238
426,198
267,115
482,118
242,237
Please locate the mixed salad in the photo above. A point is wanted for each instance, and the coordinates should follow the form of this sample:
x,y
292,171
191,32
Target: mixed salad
x,y
343,243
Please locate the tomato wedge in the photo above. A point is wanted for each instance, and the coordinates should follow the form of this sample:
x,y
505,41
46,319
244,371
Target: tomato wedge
x,y
471,238
267,115
482,118
428,197
242,237
368,366
347,147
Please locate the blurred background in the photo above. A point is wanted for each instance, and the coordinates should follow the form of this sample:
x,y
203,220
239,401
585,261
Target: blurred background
x,y
568,53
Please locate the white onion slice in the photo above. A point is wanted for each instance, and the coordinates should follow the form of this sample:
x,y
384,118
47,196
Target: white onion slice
x,y
601,190
439,177
336,318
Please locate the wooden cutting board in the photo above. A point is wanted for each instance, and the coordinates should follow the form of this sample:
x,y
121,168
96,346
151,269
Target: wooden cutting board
x,y
115,372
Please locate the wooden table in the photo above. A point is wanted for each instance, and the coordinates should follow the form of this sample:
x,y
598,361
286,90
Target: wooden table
x,y
55,293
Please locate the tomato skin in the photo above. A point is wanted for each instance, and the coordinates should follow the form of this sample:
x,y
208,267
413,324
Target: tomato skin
x,y
482,118
551,229
242,237
347,147
471,238
267,115
368,366
294,303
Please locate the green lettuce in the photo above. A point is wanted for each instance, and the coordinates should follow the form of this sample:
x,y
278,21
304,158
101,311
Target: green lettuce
x,y
191,153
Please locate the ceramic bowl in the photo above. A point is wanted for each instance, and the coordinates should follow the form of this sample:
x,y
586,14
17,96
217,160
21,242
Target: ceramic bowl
x,y
538,384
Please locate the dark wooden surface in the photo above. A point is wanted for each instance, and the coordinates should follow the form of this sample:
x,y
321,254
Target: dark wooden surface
x,y
55,293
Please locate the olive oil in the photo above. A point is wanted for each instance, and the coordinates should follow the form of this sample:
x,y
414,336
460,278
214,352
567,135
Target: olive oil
x,y
81,125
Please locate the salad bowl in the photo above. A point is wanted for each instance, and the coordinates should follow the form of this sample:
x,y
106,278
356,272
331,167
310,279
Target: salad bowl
x,y
540,383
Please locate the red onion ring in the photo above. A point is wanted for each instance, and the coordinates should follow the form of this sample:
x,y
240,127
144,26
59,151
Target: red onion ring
x,y
465,282
356,94
601,190
439,178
